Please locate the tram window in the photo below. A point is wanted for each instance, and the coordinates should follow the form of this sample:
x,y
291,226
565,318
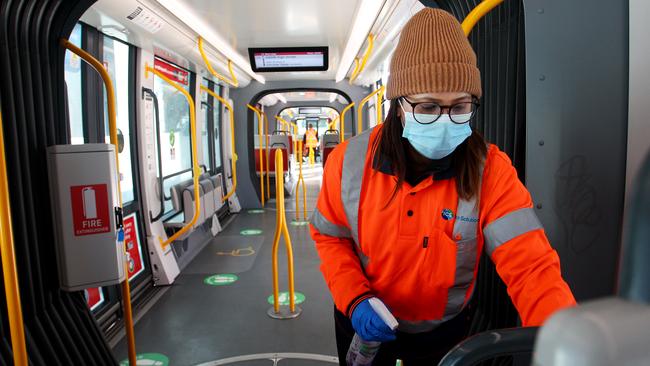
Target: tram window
x,y
174,131
116,60
217,129
206,107
73,83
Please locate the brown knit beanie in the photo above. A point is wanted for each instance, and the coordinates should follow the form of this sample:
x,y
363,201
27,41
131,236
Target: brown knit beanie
x,y
433,55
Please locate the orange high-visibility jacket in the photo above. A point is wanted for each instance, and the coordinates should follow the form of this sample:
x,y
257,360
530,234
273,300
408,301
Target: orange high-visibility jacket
x,y
420,254
312,140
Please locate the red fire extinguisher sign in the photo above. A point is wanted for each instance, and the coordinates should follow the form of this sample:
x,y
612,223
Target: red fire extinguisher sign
x,y
90,211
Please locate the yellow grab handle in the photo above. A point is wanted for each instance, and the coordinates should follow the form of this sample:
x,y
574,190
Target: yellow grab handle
x,y
364,61
283,122
260,128
343,120
9,271
233,163
362,103
333,123
195,163
112,125
477,13
232,82
110,98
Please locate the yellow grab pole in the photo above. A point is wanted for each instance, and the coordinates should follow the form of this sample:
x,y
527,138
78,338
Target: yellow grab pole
x,y
9,271
364,61
311,156
233,163
342,137
260,130
232,82
268,157
380,106
112,125
281,229
276,243
477,13
362,103
195,163
301,179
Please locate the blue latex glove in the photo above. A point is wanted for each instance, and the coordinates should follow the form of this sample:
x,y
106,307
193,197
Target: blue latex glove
x,y
369,326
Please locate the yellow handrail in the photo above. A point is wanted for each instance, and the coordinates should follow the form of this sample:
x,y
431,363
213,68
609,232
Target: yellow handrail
x,y
283,122
360,109
196,171
232,82
281,229
268,157
333,123
364,61
260,130
295,139
355,70
301,179
233,163
9,271
477,13
380,106
112,124
343,120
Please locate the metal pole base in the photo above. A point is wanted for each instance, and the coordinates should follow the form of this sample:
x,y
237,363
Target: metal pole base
x,y
285,312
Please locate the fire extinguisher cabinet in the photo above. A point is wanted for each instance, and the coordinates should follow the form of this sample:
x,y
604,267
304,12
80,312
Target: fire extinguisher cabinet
x,y
83,187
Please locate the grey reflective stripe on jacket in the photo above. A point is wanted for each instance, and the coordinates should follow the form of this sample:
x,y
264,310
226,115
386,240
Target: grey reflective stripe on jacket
x,y
351,181
510,226
324,226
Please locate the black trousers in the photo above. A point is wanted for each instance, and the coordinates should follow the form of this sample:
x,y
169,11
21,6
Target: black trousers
x,y
413,349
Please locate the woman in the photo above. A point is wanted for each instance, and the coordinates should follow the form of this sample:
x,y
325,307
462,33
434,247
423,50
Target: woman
x,y
406,209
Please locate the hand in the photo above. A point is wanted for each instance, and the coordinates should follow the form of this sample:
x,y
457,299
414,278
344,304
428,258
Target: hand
x,y
369,326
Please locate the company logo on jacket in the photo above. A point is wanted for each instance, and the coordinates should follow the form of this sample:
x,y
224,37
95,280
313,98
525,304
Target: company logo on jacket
x,y
448,214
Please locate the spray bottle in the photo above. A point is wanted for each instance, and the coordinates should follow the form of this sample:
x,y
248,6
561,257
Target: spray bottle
x,y
361,353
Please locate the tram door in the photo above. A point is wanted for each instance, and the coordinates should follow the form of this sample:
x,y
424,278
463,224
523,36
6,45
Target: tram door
x,y
88,123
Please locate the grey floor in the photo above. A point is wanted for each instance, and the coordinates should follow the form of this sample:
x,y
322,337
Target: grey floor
x,y
194,323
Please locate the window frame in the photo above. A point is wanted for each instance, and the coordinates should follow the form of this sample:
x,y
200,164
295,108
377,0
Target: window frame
x,y
168,214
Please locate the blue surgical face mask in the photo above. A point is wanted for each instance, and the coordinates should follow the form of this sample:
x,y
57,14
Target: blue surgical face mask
x,y
435,140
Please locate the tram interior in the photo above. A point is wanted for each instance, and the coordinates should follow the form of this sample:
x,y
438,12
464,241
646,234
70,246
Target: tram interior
x,y
223,114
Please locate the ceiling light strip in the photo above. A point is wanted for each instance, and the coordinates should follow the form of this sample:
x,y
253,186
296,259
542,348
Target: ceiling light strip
x,y
366,16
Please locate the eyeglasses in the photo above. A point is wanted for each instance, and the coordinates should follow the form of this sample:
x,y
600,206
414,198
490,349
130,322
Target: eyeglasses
x,y
428,112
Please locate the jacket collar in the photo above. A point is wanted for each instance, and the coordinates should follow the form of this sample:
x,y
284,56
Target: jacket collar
x,y
439,169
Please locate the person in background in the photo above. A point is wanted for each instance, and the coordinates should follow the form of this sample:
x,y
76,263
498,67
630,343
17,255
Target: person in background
x,y
407,209
311,143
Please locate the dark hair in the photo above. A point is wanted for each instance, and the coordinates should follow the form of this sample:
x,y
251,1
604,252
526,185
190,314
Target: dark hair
x,y
467,158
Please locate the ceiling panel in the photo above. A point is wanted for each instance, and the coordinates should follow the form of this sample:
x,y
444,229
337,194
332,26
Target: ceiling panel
x,y
281,23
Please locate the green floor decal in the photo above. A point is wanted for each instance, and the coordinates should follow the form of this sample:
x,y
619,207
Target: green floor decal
x,y
284,298
148,359
257,211
299,223
250,232
220,279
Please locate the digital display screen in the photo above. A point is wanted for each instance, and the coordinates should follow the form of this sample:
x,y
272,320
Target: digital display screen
x,y
314,110
289,59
